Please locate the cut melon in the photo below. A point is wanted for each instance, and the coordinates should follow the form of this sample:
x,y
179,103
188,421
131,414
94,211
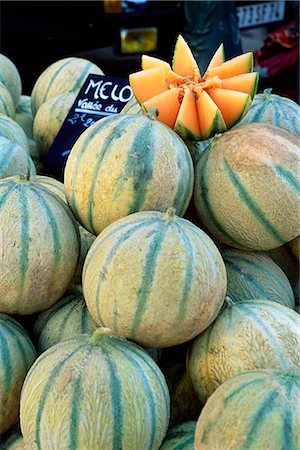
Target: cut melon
x,y
199,107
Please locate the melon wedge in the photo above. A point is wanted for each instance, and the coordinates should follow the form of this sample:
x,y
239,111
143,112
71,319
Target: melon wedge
x,y
167,104
217,59
184,62
187,124
238,103
235,66
210,117
149,62
154,79
246,82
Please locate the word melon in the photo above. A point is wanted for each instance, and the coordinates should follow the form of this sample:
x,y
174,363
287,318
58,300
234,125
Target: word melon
x,y
17,354
154,278
39,241
275,110
247,335
247,187
123,164
7,106
10,77
180,437
257,410
99,392
252,275
195,106
64,75
49,119
67,318
14,159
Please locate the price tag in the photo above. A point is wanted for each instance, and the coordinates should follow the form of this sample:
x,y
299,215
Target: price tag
x,y
100,96
260,13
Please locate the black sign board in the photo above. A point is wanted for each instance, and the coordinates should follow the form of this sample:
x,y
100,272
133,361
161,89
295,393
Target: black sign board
x,y
100,96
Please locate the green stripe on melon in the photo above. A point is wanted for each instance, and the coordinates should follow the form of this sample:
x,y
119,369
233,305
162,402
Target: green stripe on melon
x,y
150,262
108,393
247,187
180,437
256,410
11,130
7,106
10,77
24,116
14,160
252,275
16,356
247,335
123,164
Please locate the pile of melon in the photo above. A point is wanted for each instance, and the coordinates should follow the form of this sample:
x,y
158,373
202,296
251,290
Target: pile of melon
x,y
150,300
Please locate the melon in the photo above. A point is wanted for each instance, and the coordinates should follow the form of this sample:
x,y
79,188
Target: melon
x,y
180,437
149,262
276,110
257,410
62,76
100,392
10,77
49,119
17,354
252,275
11,130
195,106
24,116
12,439
132,107
246,335
294,245
67,318
40,246
196,148
7,106
124,164
14,160
247,187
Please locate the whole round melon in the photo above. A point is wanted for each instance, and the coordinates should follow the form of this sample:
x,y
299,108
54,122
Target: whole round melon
x,y
180,437
252,275
274,109
132,107
64,75
49,119
154,278
256,410
10,77
100,392
7,106
67,318
14,159
17,354
123,164
247,335
39,241
247,187
11,130
24,116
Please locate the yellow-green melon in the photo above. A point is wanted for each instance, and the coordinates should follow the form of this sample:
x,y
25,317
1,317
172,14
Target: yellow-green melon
x,y
10,77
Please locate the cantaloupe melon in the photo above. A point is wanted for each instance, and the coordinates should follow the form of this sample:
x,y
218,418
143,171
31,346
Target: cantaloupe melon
x,y
7,106
10,77
230,85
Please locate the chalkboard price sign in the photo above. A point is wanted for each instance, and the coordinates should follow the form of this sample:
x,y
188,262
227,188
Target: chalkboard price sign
x,y
100,96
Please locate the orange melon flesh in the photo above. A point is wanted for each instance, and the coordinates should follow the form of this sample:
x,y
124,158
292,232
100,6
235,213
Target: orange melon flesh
x,y
233,104
246,82
150,62
210,117
184,63
235,66
168,104
217,59
187,124
148,83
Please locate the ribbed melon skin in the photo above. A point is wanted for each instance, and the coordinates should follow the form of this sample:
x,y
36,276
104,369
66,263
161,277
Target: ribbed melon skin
x,y
124,164
180,437
14,159
257,410
7,106
108,395
49,119
24,116
40,247
196,148
276,110
11,130
252,275
248,335
64,75
17,354
67,318
132,107
10,77
247,187
154,278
